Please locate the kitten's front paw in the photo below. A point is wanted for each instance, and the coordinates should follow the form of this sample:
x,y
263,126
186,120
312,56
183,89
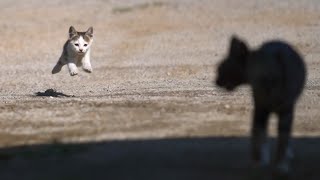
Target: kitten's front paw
x,y
87,69
73,72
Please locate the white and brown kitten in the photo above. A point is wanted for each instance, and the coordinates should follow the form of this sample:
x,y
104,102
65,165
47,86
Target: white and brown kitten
x,y
76,52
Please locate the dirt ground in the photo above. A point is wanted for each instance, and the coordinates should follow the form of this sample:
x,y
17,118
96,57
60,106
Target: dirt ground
x,y
149,110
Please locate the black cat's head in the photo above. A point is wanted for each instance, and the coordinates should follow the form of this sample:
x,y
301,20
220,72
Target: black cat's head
x,y
231,71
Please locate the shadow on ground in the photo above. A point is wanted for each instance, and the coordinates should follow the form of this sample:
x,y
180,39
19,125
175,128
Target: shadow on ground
x,y
184,158
52,93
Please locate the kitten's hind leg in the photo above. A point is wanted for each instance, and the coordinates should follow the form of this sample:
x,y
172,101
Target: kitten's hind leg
x,y
58,66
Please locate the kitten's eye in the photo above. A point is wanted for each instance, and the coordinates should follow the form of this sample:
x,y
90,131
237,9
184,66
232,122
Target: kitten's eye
x,y
76,44
85,45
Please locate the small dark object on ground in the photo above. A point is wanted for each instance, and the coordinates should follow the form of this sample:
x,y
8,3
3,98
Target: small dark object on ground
x,y
53,93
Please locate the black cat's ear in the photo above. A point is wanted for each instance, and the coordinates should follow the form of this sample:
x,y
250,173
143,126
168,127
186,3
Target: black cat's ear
x,y
238,48
72,32
89,32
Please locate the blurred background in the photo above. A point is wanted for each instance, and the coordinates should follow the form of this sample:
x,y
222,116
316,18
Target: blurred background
x,y
149,110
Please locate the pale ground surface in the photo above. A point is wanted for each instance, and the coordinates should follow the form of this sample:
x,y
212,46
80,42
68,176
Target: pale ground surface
x,y
154,63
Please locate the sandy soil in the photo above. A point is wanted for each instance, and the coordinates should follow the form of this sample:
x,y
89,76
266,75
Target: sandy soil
x,y
149,109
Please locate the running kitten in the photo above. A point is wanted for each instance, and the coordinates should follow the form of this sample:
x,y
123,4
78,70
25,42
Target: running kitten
x,y
276,74
76,52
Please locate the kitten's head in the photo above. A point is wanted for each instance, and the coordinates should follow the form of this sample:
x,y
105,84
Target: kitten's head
x,y
231,71
80,41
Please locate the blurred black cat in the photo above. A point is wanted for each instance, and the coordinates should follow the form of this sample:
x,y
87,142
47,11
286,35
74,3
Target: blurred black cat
x,y
276,74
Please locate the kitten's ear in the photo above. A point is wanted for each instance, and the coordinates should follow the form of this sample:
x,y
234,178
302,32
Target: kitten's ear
x,y
89,32
238,48
72,32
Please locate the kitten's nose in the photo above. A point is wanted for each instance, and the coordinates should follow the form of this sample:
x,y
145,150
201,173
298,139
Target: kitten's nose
x,y
80,50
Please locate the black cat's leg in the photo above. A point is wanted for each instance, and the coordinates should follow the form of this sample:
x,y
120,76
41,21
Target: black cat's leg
x,y
259,142
284,152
